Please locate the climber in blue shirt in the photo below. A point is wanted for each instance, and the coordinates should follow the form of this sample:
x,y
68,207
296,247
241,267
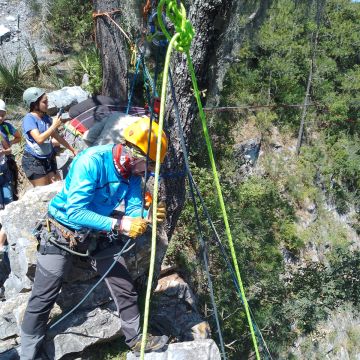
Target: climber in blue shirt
x,y
99,180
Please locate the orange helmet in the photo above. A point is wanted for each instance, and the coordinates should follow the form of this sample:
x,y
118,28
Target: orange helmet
x,y
137,134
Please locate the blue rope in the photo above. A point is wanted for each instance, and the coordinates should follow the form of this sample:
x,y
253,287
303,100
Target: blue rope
x,y
200,236
147,76
147,81
133,85
207,215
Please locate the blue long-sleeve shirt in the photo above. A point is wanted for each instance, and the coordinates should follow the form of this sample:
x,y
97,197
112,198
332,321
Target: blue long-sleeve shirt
x,y
93,189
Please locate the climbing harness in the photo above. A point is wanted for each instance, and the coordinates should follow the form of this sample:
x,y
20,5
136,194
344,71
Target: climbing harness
x,y
118,255
55,238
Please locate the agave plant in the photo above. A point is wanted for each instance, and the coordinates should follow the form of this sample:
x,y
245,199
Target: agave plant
x,y
14,78
34,58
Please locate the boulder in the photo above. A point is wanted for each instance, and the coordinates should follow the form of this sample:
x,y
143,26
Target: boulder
x,y
194,350
65,98
174,311
246,155
82,329
5,32
19,219
247,152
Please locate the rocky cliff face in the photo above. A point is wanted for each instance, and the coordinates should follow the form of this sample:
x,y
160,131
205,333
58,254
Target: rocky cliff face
x,y
17,28
337,337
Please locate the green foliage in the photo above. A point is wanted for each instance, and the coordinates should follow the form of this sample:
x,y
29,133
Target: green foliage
x,y
267,218
337,163
89,62
263,222
274,63
69,24
14,79
34,58
273,68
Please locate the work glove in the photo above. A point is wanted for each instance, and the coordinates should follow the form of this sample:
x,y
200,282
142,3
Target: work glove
x,y
132,227
160,213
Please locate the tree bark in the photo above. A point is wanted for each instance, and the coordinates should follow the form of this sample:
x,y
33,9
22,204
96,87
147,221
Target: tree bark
x,y
112,44
209,21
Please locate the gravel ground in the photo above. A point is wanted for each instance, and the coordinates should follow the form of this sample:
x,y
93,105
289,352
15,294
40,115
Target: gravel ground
x,y
18,12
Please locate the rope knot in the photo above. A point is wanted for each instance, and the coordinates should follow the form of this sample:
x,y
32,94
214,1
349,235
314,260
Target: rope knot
x,y
177,14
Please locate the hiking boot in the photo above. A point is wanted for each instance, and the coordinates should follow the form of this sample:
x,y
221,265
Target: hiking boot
x,y
153,343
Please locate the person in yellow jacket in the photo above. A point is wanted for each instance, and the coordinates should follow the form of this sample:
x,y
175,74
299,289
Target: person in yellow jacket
x,y
99,179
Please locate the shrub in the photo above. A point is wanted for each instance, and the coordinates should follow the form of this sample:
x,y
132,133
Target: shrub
x,y
69,24
14,79
89,62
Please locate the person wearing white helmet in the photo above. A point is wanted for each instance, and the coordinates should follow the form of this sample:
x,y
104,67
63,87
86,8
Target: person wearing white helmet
x,y
12,136
8,176
8,131
6,197
39,129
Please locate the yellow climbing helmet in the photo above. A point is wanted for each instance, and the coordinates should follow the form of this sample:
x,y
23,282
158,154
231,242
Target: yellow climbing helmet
x,y
138,134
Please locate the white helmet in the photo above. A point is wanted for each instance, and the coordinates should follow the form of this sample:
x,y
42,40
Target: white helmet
x,y
2,105
32,95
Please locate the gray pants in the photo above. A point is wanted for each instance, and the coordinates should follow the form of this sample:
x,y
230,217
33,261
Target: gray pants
x,y
50,272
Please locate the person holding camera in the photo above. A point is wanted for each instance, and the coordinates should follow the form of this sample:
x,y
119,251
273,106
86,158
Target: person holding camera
x,y
39,129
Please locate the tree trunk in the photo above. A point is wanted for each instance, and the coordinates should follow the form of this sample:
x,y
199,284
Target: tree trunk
x,y
112,44
209,19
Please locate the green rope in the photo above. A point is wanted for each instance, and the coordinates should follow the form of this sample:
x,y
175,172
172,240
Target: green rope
x,y
184,27
221,199
155,196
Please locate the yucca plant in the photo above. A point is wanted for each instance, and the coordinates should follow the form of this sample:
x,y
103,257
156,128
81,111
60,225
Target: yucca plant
x,y
89,63
14,78
34,58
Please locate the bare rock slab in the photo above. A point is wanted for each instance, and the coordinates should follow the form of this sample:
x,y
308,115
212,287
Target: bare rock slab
x,y
84,329
194,350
